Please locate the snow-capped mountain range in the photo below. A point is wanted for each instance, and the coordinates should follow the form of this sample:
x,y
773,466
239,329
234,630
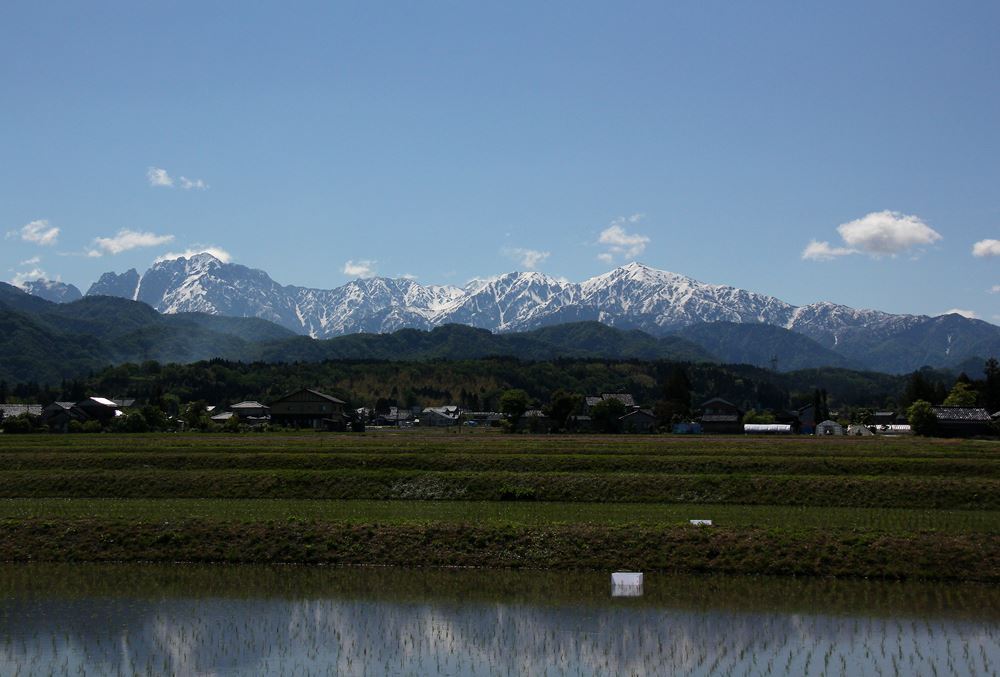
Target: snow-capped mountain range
x,y
633,296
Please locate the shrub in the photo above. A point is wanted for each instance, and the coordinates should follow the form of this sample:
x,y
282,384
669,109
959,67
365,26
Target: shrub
x,y
922,419
19,425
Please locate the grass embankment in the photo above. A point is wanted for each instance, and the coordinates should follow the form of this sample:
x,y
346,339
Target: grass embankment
x,y
676,549
872,507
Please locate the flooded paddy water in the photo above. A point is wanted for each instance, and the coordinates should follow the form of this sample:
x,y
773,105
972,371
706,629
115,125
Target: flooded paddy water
x,y
92,619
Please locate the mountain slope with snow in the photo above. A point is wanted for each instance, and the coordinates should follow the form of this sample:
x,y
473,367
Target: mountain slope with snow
x,y
633,296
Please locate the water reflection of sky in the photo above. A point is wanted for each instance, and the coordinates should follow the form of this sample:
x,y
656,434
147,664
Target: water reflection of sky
x,y
351,635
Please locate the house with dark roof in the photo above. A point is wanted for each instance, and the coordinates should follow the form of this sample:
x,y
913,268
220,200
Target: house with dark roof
x,y
639,421
490,419
58,415
535,421
590,401
308,408
886,417
99,409
440,416
721,417
962,422
394,417
807,419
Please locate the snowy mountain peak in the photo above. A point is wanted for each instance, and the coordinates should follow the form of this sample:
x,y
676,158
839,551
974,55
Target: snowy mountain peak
x,y
631,296
52,290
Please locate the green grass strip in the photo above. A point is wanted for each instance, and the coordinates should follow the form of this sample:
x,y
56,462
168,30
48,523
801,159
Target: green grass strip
x,y
503,513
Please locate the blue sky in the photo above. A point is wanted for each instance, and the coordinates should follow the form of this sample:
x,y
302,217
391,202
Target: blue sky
x,y
813,151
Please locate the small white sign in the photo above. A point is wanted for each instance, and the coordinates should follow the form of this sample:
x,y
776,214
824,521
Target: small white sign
x,y
626,584
633,578
701,523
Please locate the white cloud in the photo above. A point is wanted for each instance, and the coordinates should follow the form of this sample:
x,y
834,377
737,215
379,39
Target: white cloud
x,y
33,261
158,178
28,276
877,234
971,314
39,232
362,268
995,289
193,184
408,276
823,251
126,240
887,233
986,248
217,252
528,258
619,242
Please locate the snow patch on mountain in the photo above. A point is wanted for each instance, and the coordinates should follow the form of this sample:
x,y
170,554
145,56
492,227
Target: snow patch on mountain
x,y
632,296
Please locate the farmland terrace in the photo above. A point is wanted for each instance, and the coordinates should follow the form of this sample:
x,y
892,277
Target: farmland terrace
x,y
876,507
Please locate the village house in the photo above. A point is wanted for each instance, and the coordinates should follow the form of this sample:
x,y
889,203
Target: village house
x,y
535,421
807,419
99,409
489,419
440,416
721,417
962,422
639,421
308,408
58,415
394,417
579,424
591,401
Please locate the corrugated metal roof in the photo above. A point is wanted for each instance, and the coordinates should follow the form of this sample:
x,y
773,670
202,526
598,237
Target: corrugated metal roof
x,y
961,414
10,410
248,405
720,418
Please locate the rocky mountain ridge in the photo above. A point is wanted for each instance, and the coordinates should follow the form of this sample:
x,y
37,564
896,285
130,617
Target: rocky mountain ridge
x,y
633,296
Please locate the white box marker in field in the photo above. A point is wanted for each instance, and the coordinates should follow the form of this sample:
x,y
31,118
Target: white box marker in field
x,y
626,584
701,523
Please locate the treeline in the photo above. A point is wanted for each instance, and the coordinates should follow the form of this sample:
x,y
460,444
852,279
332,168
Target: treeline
x,y
478,384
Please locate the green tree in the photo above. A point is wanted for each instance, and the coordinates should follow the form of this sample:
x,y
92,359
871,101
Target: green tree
x,y
606,415
676,403
232,424
21,424
921,417
135,422
155,417
820,407
92,427
991,386
677,391
513,404
561,406
961,395
754,416
196,416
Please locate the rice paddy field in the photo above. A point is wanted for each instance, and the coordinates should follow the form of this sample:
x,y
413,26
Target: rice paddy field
x,y
878,506
125,619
